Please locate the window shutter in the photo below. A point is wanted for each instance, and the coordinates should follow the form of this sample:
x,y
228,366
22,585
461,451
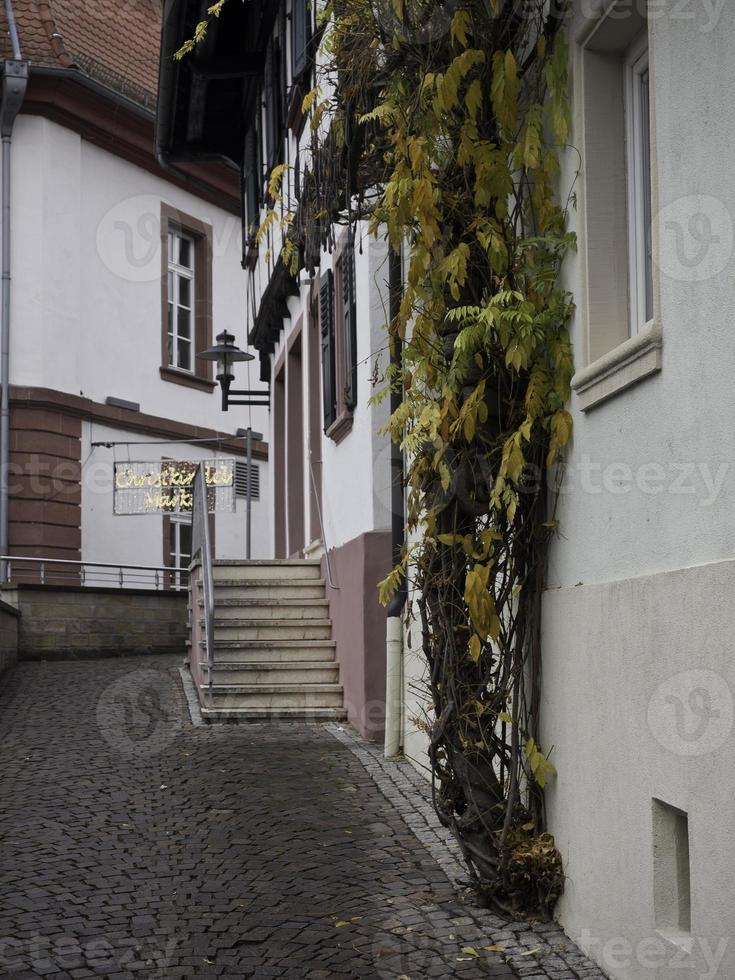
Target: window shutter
x,y
350,326
326,323
300,36
250,187
270,105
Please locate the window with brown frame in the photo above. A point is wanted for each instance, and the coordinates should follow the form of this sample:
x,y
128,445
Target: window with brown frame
x,y
186,299
338,328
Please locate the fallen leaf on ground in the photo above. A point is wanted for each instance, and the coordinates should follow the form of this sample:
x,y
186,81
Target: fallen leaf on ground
x,y
530,952
470,950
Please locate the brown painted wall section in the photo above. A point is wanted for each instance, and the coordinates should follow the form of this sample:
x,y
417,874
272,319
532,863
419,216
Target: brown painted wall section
x,y
60,623
45,483
358,626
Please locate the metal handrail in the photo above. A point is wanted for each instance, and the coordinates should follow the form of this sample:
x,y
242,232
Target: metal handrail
x,y
120,567
201,545
321,525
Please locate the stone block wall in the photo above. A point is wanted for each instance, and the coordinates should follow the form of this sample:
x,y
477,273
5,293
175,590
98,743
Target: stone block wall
x,y
9,618
66,621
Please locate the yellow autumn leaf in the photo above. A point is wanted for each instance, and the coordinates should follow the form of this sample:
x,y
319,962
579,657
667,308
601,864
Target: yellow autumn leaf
x,y
475,648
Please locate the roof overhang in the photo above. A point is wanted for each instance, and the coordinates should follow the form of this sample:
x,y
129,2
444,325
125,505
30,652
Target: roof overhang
x,y
204,99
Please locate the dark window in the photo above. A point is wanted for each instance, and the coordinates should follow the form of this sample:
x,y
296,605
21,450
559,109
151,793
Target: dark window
x,y
275,108
251,187
338,322
326,325
349,328
300,37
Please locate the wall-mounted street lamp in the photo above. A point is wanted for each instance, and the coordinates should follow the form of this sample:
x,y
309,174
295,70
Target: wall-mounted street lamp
x,y
226,354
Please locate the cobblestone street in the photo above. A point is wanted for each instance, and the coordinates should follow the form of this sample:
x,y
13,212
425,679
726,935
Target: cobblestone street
x,y
135,843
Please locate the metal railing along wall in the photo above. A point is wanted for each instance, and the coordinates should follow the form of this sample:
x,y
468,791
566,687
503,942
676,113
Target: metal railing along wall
x,y
58,571
330,579
201,547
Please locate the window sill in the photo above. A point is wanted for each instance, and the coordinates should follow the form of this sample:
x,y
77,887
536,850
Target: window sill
x,y
625,365
188,380
341,427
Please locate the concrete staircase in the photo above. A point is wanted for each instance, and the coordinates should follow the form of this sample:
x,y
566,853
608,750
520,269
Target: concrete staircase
x,y
274,656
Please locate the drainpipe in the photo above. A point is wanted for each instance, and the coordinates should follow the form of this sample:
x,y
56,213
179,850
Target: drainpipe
x,y
394,621
14,82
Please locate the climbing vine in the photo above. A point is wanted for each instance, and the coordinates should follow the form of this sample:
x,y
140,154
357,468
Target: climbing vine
x,y
453,117
442,125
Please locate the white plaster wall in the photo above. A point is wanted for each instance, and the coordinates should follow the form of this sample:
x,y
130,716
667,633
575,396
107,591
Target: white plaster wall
x,y
651,472
86,301
642,572
356,481
618,658
139,539
355,471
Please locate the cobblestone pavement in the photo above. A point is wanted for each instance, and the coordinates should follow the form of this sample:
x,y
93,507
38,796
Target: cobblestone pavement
x,y
133,843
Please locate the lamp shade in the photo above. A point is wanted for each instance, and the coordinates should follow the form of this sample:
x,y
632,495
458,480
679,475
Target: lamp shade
x,y
225,353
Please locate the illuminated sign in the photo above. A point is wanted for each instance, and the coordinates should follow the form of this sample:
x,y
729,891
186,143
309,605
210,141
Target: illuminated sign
x,y
166,487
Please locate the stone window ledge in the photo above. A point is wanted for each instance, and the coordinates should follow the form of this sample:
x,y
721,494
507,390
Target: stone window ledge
x,y
625,365
341,427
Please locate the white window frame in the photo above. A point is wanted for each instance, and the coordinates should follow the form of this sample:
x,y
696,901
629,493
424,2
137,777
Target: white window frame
x,y
177,272
638,167
177,522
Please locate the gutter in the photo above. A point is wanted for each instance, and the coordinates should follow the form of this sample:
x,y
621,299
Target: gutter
x,y
14,83
394,621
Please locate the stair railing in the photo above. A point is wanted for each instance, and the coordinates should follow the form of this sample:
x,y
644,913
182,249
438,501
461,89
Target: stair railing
x,y
201,545
331,581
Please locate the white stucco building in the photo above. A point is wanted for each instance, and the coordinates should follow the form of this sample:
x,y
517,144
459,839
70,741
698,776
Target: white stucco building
x,y
638,677
122,270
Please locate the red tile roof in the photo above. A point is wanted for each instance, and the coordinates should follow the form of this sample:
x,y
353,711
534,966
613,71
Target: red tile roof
x,y
115,43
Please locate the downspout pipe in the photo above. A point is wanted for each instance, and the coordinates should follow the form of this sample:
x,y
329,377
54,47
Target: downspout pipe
x,y
394,620
14,83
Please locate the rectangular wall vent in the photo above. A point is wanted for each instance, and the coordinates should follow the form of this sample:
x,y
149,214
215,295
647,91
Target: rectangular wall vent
x,y
671,871
241,480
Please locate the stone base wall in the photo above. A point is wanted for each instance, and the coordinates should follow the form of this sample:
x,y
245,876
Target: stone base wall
x,y
358,626
63,621
9,617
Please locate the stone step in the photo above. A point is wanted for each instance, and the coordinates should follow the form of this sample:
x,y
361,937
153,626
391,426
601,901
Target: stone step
x,y
282,654
307,588
273,695
285,570
271,629
301,672
234,715
262,608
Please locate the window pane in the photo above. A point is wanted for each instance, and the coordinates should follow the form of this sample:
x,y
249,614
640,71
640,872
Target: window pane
x,y
170,285
184,323
184,292
184,350
170,346
185,543
171,256
185,252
